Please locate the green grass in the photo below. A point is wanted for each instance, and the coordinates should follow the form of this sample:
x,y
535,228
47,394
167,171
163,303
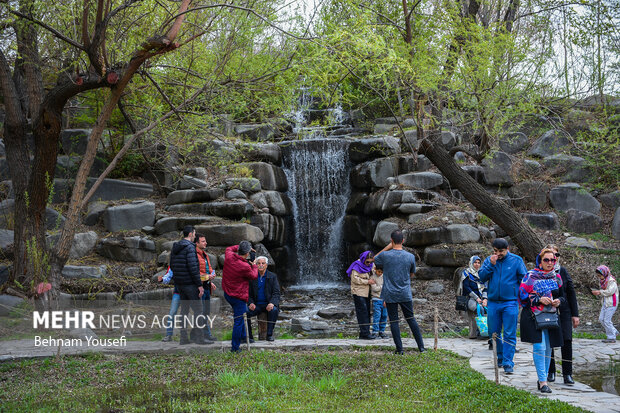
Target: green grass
x,y
359,380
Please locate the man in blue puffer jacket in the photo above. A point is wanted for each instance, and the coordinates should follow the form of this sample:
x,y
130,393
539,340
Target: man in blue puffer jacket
x,y
504,271
184,266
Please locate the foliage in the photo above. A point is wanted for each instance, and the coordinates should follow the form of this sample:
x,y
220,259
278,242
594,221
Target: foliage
x,y
261,381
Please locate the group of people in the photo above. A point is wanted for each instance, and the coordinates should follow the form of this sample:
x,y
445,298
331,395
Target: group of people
x,y
546,293
248,286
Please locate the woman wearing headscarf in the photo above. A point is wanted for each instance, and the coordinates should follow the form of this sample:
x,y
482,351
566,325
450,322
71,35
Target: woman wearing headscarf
x,y
476,290
540,292
360,272
569,319
609,301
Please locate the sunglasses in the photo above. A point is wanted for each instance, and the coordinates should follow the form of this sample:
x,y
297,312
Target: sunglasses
x,y
549,260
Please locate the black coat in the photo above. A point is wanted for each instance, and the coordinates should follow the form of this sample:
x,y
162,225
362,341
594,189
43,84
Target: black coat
x,y
272,289
568,307
529,334
184,264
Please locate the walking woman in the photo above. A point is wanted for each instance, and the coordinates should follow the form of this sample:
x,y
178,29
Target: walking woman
x,y
476,290
360,272
609,301
539,292
569,319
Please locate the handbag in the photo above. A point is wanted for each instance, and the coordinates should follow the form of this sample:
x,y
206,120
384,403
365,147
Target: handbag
x,y
461,302
481,322
547,319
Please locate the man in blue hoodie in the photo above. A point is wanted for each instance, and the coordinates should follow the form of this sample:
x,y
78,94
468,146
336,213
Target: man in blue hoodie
x,y
504,271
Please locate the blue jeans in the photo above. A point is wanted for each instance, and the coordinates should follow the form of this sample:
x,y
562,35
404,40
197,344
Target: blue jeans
x,y
504,314
174,308
206,311
239,309
379,316
542,356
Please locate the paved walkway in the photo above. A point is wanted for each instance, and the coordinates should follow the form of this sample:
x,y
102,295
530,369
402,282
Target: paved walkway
x,y
481,359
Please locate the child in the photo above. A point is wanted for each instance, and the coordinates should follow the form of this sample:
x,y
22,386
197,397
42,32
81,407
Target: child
x,y
379,314
609,301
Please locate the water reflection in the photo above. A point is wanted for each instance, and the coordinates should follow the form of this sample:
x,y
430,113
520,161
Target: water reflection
x,y
602,377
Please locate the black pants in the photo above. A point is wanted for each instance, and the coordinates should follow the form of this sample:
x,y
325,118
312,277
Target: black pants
x,y
407,308
272,317
567,359
189,298
362,311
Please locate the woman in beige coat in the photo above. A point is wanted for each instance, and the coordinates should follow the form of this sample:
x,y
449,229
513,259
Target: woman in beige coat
x,y
360,272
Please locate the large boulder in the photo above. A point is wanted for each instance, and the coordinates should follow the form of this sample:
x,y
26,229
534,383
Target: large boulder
x,y
131,249
190,182
172,224
271,177
450,255
573,196
245,184
434,273
231,209
361,150
577,242
83,243
513,142
583,222
196,195
6,244
550,143
358,228
276,202
84,271
230,234
130,216
385,202
531,168
94,213
475,171
448,139
273,228
461,234
374,174
546,221
451,234
67,166
422,180
568,168
53,219
115,189
383,233
529,194
74,141
497,168
8,303
265,152
260,132
615,225
356,203
611,200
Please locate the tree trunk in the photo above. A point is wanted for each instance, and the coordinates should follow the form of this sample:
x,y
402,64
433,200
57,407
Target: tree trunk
x,y
510,221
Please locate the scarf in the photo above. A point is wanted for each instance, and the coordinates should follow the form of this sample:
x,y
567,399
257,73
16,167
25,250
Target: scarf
x,y
604,270
359,265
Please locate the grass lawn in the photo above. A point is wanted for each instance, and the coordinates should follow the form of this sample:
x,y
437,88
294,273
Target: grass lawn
x,y
358,380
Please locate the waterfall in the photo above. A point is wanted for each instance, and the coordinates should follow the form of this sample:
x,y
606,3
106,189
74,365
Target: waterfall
x,y
318,176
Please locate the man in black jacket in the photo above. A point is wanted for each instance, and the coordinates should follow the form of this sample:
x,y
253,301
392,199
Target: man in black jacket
x,y
264,295
186,276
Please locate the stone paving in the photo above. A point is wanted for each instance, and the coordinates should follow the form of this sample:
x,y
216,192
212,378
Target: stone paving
x,y
481,359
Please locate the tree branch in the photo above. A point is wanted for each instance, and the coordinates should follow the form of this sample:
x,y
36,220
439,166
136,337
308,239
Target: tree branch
x,y
162,93
48,28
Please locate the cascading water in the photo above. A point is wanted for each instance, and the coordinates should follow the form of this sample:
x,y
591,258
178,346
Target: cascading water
x,y
318,176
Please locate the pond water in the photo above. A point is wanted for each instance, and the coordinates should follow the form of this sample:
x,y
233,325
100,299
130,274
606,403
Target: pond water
x,y
603,377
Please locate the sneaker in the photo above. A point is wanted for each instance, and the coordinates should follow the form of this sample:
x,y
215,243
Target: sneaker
x,y
609,340
270,338
166,339
383,335
508,370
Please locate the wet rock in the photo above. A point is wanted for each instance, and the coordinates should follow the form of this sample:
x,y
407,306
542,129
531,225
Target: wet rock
x,y
497,168
129,216
132,249
356,203
546,221
583,222
550,143
361,150
230,234
573,196
514,142
84,271
199,195
273,228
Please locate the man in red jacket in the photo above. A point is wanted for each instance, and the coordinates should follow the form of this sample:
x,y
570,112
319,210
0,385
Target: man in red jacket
x,y
238,271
